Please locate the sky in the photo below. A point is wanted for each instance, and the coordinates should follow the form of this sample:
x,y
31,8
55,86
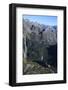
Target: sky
x,y
46,20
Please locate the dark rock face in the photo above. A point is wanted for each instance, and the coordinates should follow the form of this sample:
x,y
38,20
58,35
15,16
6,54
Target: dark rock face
x,y
40,44
52,52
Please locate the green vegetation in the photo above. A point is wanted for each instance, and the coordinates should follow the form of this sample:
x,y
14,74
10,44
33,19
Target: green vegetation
x,y
31,67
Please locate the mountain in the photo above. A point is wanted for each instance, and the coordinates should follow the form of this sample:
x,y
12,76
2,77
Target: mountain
x,y
40,47
49,35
